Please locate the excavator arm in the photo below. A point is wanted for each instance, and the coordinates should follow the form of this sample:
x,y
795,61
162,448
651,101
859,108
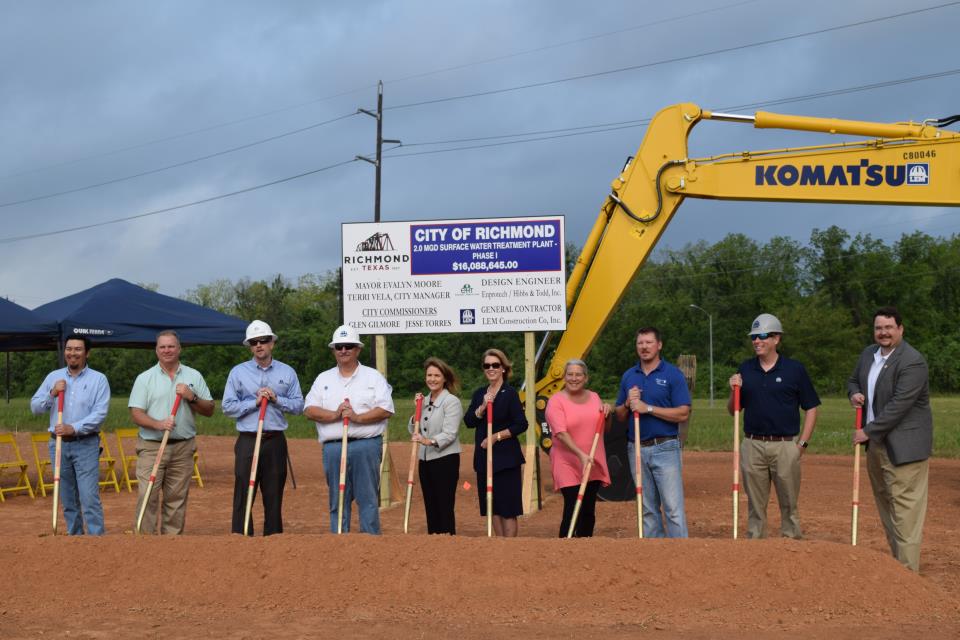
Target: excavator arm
x,y
899,164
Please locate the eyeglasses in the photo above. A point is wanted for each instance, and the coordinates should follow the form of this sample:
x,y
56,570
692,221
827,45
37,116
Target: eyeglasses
x,y
760,336
491,365
344,347
256,341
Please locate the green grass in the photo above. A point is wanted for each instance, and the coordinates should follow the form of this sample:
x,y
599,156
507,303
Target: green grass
x,y
710,429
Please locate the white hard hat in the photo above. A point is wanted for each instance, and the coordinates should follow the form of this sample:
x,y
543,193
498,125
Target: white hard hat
x,y
258,329
345,334
765,323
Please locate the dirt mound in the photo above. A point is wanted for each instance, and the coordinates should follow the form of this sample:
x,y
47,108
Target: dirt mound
x,y
308,583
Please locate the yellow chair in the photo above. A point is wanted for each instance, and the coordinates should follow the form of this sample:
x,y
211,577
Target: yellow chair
x,y
127,459
14,462
109,471
41,455
196,468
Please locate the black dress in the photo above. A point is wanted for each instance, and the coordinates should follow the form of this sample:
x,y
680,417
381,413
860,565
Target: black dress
x,y
507,456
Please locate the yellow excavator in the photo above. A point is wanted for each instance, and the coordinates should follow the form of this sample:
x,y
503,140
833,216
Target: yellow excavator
x,y
898,164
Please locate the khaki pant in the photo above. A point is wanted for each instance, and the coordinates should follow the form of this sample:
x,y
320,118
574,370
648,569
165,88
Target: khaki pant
x,y
760,464
172,482
901,496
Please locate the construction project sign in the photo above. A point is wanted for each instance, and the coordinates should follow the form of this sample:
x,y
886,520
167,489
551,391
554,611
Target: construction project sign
x,y
494,274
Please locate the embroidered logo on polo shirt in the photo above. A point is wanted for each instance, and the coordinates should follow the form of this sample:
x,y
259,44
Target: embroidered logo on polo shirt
x,y
661,381
779,379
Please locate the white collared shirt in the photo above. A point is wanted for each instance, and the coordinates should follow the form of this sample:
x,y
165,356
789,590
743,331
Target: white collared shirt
x,y
879,362
366,388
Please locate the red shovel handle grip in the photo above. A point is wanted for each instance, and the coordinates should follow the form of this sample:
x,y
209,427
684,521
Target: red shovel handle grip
x,y
263,407
601,421
60,401
176,405
489,413
736,398
419,412
859,424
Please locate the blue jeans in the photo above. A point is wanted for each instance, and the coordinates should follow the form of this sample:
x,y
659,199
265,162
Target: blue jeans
x,y
362,483
662,476
80,484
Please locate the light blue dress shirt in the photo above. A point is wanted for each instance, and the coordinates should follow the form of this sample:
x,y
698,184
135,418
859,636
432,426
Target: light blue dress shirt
x,y
85,401
240,395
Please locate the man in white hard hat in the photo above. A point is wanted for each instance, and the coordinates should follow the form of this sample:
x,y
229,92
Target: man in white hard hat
x,y
891,381
249,382
773,389
362,395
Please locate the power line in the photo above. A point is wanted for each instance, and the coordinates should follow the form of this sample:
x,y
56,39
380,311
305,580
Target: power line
x,y
572,131
176,165
629,124
178,207
300,105
565,43
583,129
647,65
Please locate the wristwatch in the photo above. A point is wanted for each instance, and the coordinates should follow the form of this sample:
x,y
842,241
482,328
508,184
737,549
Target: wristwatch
x,y
803,443
649,408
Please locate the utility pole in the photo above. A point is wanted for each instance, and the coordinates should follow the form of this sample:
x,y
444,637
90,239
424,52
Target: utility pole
x,y
378,162
387,475
710,321
379,351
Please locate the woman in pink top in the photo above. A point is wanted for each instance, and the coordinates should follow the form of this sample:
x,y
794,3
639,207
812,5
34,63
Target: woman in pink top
x,y
572,415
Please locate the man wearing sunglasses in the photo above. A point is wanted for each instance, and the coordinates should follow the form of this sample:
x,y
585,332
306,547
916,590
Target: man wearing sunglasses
x,y
773,389
891,381
248,383
362,395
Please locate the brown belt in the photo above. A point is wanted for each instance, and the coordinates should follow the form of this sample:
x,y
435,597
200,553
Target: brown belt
x,y
95,434
762,438
653,441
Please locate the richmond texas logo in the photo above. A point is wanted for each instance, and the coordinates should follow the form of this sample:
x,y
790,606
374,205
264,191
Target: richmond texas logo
x,y
376,253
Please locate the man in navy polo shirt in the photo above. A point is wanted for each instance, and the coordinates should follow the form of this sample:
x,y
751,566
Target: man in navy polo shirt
x,y
773,389
657,391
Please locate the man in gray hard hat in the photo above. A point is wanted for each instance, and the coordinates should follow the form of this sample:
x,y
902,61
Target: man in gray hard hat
x,y
772,391
362,395
248,383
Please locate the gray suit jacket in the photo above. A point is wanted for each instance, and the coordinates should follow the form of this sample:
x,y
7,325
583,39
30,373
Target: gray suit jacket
x,y
902,419
440,421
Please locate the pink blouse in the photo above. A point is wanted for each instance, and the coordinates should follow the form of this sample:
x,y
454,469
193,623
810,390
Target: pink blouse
x,y
580,422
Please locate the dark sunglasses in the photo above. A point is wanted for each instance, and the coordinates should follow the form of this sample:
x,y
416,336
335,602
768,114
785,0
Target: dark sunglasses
x,y
344,347
760,336
491,365
254,341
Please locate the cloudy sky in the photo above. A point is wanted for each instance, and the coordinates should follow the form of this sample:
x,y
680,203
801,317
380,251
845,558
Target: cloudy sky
x,y
111,110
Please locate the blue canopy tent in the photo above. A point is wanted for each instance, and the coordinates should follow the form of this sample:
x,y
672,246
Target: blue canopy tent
x,y
24,330
117,313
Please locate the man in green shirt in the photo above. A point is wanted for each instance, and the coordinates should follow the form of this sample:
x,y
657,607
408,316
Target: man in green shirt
x,y
151,403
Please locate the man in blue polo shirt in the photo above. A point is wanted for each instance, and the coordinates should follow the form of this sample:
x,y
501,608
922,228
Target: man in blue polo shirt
x,y
657,391
773,389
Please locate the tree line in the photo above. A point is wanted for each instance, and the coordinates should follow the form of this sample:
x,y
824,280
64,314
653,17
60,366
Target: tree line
x,y
824,293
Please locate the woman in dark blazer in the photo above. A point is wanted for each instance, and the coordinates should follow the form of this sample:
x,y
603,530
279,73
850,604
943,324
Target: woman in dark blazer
x,y
509,422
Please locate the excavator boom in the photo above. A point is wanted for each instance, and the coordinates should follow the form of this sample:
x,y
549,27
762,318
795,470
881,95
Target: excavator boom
x,y
900,164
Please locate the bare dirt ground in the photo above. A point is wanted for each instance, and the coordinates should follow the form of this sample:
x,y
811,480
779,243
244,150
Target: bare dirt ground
x,y
309,583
